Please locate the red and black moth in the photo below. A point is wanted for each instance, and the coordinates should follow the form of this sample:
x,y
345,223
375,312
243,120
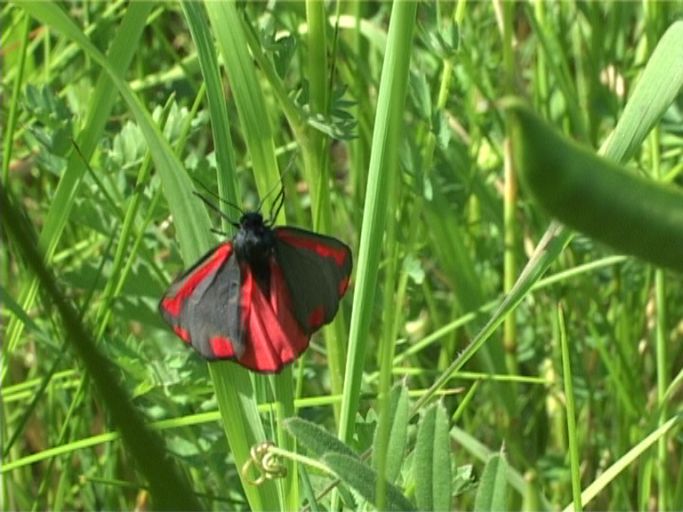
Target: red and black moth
x,y
258,298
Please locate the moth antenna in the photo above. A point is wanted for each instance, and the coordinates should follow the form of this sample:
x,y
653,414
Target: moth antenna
x,y
280,198
216,196
216,209
219,232
260,204
279,201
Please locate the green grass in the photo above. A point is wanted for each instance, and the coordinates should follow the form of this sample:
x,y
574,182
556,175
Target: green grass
x,y
485,356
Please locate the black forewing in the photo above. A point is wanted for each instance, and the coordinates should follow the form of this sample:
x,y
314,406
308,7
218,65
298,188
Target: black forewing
x,y
212,307
317,270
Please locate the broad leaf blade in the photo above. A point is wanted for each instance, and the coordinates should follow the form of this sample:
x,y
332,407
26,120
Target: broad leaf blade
x,y
316,439
363,480
432,461
492,493
398,437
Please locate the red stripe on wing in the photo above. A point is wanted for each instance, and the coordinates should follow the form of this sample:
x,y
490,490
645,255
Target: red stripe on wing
x,y
316,318
182,333
173,302
343,285
313,244
274,337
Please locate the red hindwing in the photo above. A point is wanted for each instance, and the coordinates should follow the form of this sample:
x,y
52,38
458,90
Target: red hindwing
x,y
219,307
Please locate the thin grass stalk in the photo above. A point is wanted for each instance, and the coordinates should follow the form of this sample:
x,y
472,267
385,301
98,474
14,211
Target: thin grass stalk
x,y
614,470
427,157
387,346
661,350
652,95
117,276
358,147
168,488
572,433
560,70
119,56
336,341
115,282
120,268
510,270
47,380
383,167
227,26
510,232
578,58
429,146
14,101
228,186
662,362
506,10
225,20
315,150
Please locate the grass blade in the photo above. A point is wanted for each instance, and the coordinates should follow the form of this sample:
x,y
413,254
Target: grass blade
x,y
104,95
169,490
383,167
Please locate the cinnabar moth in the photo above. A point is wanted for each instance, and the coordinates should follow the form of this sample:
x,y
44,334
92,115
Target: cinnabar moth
x,y
258,298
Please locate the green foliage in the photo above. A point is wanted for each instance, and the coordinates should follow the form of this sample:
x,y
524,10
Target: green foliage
x,y
391,115
363,479
316,439
630,213
492,492
399,415
432,461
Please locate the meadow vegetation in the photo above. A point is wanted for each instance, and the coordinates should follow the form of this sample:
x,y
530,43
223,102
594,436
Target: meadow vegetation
x,y
487,356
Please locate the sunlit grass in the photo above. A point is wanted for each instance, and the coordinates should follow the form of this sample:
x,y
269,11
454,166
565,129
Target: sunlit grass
x,y
156,96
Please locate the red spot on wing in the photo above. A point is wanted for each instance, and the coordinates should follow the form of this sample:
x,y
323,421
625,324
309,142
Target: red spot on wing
x,y
182,333
173,304
343,285
273,336
315,244
222,347
316,318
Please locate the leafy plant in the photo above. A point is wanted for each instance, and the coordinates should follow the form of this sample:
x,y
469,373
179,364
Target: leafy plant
x,y
391,120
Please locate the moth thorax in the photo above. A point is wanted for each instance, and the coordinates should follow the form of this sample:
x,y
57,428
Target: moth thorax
x,y
254,241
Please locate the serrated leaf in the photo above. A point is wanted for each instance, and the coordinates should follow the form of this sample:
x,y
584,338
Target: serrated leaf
x,y
398,436
464,479
432,464
363,479
340,129
419,92
442,130
316,439
449,36
413,266
129,145
283,52
492,493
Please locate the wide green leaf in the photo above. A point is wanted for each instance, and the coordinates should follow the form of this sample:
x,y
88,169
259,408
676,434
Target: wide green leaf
x,y
492,492
399,410
315,438
432,461
363,479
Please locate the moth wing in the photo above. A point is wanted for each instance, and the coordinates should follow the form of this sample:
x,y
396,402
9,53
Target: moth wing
x,y
204,306
273,336
316,269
